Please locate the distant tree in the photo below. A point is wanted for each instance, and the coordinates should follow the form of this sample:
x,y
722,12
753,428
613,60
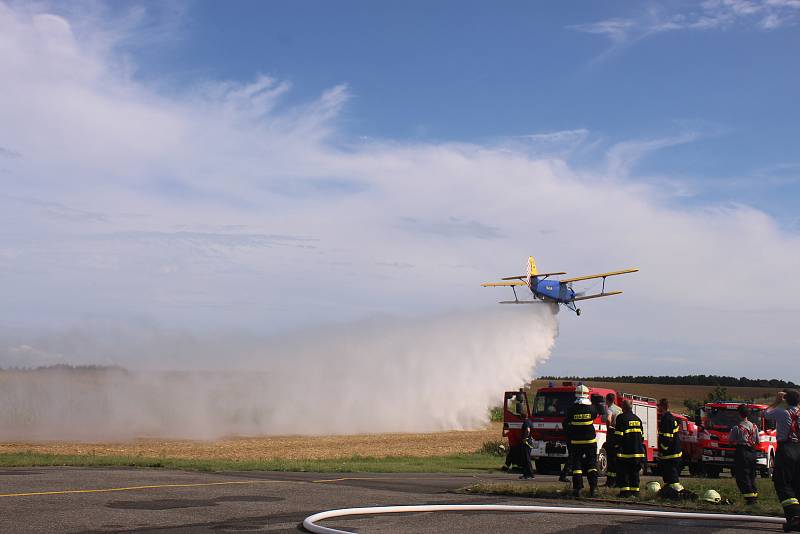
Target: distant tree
x,y
685,380
692,405
719,394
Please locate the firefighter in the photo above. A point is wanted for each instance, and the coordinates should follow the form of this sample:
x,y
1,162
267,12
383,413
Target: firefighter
x,y
669,452
526,446
630,450
579,428
745,437
612,411
786,476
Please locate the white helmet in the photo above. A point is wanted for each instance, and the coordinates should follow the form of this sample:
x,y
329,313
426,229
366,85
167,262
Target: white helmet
x,y
582,392
712,496
653,486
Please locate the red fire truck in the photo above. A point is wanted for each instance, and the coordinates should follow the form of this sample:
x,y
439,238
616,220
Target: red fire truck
x,y
548,411
549,407
690,444
717,420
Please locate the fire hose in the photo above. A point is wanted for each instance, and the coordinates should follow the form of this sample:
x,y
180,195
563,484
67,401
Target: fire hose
x,y
310,522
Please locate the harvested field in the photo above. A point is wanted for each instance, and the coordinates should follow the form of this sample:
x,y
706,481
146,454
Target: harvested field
x,y
284,447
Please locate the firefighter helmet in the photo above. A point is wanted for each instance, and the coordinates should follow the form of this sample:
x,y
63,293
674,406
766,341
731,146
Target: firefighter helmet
x,y
712,496
582,392
653,486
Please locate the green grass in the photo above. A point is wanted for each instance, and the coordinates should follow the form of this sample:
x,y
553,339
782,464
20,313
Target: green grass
x,y
767,505
355,464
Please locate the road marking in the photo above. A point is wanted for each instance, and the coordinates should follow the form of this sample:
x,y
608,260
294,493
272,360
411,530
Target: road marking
x,y
134,488
347,478
324,480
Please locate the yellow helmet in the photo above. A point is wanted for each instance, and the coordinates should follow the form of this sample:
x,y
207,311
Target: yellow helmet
x,y
712,496
582,392
653,486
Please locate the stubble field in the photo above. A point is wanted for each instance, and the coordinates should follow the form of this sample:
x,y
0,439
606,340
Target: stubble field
x,y
421,445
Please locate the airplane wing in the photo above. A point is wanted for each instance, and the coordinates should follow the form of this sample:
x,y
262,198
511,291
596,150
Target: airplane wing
x,y
601,275
598,295
503,284
524,277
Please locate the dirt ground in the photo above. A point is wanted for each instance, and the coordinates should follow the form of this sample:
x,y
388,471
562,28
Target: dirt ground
x,y
286,447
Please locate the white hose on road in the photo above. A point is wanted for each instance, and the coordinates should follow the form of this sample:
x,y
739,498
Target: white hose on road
x,y
310,522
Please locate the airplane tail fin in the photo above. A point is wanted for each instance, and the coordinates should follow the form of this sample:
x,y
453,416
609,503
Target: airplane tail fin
x,y
531,267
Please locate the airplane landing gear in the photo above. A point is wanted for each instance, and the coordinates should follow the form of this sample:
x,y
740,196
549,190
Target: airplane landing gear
x,y
578,311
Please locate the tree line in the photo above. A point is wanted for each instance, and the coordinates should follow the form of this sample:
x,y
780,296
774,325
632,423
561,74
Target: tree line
x,y
685,380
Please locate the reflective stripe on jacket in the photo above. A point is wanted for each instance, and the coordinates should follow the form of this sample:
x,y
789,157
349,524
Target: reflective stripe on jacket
x,y
579,424
669,440
629,439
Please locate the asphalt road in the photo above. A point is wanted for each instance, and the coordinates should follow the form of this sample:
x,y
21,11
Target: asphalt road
x,y
84,500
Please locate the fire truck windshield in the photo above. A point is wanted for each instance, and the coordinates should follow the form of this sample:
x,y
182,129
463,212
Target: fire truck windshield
x,y
722,418
726,418
553,404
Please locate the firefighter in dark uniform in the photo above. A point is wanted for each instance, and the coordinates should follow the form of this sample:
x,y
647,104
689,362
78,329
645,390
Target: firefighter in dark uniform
x,y
526,446
745,437
628,439
669,452
786,476
579,428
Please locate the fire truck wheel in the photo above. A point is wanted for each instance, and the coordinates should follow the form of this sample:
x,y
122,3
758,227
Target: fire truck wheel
x,y
767,473
712,471
602,463
548,467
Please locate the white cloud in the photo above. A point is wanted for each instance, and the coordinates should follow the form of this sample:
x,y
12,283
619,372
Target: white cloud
x,y
708,15
222,206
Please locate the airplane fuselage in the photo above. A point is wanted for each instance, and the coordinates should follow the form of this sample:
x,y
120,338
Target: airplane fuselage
x,y
551,289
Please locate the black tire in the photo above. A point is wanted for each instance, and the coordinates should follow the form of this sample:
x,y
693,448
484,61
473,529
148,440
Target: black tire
x,y
695,469
712,471
548,466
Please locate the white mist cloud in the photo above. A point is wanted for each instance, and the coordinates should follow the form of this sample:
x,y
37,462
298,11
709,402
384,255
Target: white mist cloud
x,y
380,376
221,206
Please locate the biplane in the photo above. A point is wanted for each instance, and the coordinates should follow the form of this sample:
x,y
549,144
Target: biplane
x,y
554,291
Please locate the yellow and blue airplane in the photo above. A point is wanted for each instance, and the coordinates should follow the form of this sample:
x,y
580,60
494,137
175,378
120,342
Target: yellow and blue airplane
x,y
554,291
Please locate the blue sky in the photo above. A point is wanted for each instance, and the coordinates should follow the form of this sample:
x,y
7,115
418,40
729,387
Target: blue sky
x,y
472,71
201,164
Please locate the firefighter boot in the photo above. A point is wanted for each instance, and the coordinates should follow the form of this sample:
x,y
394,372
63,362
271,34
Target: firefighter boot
x,y
750,500
592,491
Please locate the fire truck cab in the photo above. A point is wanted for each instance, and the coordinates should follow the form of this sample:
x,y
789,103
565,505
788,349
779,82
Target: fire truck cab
x,y
549,407
717,420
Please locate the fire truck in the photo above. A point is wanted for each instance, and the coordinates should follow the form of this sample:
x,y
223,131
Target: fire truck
x,y
547,412
690,445
717,420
